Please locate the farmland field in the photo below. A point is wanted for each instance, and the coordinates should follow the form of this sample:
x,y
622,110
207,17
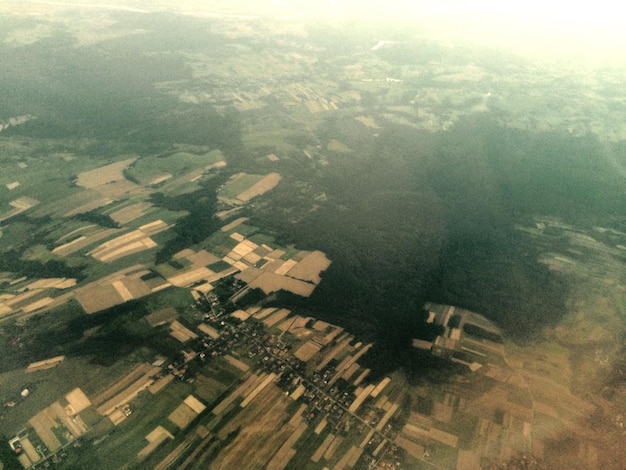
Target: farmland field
x,y
107,174
148,170
429,159
238,184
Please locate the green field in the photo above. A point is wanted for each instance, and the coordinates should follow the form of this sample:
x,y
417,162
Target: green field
x,y
270,141
50,385
145,170
121,445
234,188
219,243
245,230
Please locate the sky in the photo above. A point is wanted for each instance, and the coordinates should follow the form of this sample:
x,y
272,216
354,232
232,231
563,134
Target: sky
x,y
588,24
590,29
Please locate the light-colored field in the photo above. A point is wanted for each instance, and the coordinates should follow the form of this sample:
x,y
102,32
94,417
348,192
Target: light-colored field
x,y
249,275
45,364
240,265
43,424
155,438
153,171
339,147
387,416
294,323
130,213
73,423
83,242
276,317
202,258
350,371
285,267
258,389
321,450
266,184
416,450
162,317
442,412
379,388
296,326
321,426
154,227
57,416
240,314
129,243
361,377
52,283
102,294
208,388
19,205
320,325
368,122
349,459
161,383
240,391
331,335
39,304
182,416
330,354
180,332
118,189
235,223
242,249
242,366
24,203
208,330
190,277
160,179
237,237
30,450
196,405
417,431
20,301
361,398
237,184
83,200
183,253
98,297
286,452
261,314
270,282
468,460
262,432
77,400
124,390
122,290
121,383
104,174
330,450
307,351
252,258
89,206
310,267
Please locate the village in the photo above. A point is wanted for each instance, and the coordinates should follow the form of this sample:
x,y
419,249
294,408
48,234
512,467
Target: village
x,y
141,314
233,367
283,368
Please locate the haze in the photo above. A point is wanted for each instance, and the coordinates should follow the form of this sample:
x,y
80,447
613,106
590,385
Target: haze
x,y
306,235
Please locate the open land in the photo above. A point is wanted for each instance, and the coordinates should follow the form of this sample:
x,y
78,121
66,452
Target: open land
x,y
195,187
